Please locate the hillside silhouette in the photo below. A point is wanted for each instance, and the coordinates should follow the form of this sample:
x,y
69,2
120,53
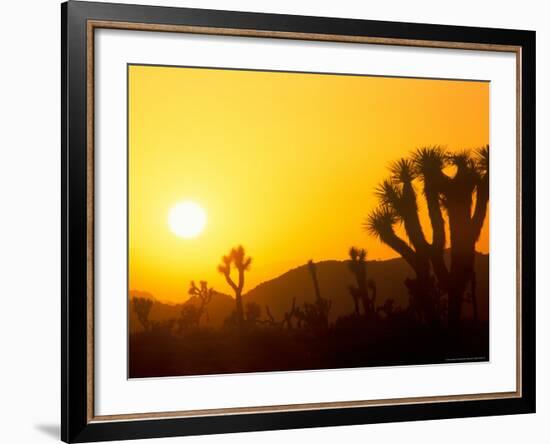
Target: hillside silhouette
x,y
334,279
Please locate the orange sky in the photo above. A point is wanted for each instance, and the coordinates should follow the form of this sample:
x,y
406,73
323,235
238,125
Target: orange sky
x,y
283,163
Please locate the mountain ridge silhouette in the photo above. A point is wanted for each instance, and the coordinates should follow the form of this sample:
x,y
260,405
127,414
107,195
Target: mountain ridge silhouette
x,y
334,278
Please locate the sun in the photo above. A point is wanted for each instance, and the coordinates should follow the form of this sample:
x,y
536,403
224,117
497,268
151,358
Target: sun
x,y
187,219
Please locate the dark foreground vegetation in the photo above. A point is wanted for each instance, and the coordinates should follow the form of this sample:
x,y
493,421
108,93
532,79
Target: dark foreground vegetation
x,y
442,284
345,345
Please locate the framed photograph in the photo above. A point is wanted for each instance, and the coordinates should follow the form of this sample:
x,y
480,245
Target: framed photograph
x,y
275,221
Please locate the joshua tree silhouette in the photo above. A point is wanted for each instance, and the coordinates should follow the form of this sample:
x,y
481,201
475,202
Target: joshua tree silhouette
x,y
289,315
315,314
453,193
142,307
237,258
312,268
204,296
456,194
358,267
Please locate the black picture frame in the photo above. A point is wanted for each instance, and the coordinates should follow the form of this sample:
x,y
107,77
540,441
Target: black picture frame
x,y
76,423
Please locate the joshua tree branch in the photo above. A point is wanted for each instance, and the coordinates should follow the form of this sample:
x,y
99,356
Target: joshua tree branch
x,y
438,242
410,217
436,217
400,246
230,282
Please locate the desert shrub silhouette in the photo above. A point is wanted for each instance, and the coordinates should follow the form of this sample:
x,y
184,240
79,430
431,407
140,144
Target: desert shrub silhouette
x,y
287,321
387,308
253,312
142,307
189,317
360,292
163,328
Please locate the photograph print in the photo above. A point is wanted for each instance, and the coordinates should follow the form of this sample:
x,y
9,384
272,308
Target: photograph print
x,y
284,221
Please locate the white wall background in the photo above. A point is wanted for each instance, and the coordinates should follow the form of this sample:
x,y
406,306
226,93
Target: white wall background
x,y
30,208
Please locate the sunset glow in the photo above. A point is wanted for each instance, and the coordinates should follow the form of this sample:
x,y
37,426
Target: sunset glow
x,y
284,164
